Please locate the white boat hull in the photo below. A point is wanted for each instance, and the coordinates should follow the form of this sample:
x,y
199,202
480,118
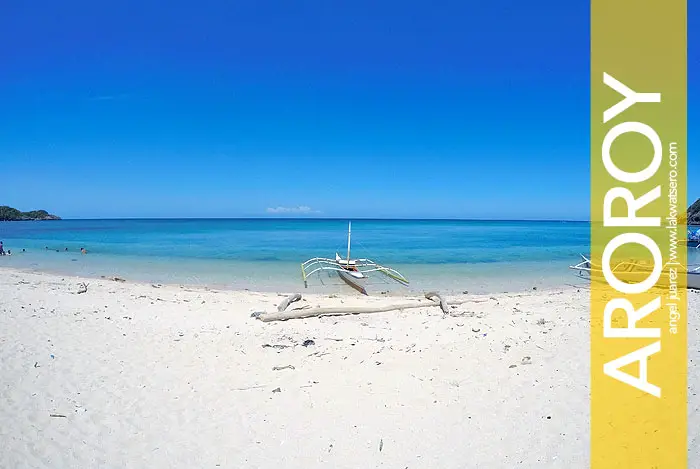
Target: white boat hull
x,y
352,281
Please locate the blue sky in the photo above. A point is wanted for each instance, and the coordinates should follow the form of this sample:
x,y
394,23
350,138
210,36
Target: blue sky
x,y
268,108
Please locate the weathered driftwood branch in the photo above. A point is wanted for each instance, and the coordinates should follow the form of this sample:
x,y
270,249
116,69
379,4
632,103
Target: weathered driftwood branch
x,y
289,300
432,295
432,299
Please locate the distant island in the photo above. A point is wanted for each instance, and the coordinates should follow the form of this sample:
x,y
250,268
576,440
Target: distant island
x,y
693,216
12,214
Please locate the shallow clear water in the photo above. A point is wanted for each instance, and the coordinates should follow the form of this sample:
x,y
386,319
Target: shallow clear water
x,y
265,254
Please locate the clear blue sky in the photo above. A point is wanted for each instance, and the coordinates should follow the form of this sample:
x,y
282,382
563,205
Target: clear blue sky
x,y
345,109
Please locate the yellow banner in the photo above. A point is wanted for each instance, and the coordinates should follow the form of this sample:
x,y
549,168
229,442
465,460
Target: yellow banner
x,y
638,240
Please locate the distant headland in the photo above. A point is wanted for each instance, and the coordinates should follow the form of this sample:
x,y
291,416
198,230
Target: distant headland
x,y
12,214
694,213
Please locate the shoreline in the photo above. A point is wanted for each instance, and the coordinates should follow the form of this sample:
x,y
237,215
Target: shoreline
x,y
500,381
484,278
345,291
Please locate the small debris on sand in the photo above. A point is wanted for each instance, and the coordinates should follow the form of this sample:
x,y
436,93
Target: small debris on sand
x,y
277,346
278,368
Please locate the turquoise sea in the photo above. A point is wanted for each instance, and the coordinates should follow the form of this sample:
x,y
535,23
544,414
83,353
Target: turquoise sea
x,y
265,254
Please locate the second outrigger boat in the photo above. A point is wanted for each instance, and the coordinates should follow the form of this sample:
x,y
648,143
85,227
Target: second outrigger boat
x,y
354,272
634,272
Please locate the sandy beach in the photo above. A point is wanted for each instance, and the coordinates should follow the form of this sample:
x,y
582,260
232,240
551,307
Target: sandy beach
x,y
137,375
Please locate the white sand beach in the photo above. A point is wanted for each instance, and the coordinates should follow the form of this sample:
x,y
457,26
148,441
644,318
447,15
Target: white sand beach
x,y
130,375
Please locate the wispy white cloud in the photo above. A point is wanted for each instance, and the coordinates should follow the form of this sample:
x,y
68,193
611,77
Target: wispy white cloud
x,y
300,210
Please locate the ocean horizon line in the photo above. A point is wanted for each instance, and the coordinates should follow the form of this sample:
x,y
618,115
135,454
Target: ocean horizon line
x,y
500,220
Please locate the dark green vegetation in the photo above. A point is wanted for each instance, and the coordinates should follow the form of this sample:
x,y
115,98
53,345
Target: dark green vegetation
x,y
12,214
694,213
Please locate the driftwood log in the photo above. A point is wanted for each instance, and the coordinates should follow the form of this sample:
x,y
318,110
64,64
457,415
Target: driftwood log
x,y
432,299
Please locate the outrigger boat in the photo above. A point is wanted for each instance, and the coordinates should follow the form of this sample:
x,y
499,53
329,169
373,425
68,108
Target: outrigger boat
x,y
634,272
354,272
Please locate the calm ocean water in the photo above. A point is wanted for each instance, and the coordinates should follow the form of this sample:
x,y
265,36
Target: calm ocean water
x,y
265,254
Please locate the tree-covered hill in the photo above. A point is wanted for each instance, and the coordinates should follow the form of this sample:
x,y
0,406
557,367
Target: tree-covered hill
x,y
12,214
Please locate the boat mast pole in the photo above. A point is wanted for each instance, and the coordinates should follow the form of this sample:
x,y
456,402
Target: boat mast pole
x,y
349,231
